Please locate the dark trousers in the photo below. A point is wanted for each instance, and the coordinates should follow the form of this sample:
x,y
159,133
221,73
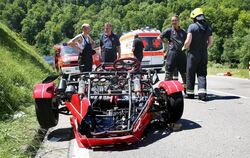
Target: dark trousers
x,y
108,55
197,64
176,61
85,63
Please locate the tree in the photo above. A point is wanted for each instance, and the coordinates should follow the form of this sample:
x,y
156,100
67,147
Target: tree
x,y
13,15
35,20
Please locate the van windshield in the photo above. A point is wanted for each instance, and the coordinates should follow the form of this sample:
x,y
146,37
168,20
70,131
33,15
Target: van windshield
x,y
151,43
68,51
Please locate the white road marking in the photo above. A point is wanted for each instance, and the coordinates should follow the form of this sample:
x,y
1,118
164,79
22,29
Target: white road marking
x,y
215,91
79,152
229,77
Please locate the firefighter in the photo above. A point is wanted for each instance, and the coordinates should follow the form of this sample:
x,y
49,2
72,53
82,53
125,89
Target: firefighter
x,y
175,59
84,44
199,39
110,45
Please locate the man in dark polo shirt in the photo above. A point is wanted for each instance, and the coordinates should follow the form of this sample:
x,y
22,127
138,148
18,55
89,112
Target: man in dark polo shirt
x,y
199,39
110,45
176,59
137,48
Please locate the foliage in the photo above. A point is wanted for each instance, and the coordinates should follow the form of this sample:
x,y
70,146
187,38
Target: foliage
x,y
45,23
21,67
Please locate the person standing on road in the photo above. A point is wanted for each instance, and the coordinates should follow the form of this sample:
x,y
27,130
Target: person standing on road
x,y
137,48
199,39
110,45
176,59
84,44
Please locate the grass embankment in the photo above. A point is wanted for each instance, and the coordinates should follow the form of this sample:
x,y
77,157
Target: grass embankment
x,y
21,67
218,69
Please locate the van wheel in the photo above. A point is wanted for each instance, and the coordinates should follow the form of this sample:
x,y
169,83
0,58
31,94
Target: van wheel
x,y
46,112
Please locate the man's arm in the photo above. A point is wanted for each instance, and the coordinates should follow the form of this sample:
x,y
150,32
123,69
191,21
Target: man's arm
x,y
162,39
118,48
164,36
133,46
187,41
73,42
209,42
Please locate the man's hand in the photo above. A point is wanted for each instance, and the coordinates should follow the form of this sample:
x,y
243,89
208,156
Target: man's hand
x,y
183,48
74,45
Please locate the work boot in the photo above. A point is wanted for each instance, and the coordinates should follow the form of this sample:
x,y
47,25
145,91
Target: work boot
x,y
185,91
203,96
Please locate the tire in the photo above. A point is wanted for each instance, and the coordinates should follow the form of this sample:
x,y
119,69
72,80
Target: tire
x,y
46,113
175,106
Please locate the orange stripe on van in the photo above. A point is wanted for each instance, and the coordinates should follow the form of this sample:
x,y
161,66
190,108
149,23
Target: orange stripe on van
x,y
148,34
153,53
143,34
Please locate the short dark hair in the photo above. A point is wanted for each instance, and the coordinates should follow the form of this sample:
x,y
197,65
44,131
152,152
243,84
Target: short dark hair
x,y
176,16
108,24
136,35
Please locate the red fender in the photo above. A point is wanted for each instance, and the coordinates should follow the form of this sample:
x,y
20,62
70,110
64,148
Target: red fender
x,y
78,108
44,90
172,86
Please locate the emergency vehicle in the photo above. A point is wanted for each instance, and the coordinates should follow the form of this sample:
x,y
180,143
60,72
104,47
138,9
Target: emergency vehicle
x,y
153,54
66,59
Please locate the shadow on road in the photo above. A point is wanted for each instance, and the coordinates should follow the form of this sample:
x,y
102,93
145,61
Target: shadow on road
x,y
60,135
153,133
211,97
189,125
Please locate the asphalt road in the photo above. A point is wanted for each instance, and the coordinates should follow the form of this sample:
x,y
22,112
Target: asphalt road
x,y
219,128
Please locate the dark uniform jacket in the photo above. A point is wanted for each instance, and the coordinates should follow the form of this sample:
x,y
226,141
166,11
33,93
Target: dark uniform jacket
x,y
176,38
200,33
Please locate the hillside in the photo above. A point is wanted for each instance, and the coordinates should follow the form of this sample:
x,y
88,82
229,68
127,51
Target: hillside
x,y
44,23
21,67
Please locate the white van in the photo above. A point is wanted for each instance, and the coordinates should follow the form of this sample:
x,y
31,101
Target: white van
x,y
153,54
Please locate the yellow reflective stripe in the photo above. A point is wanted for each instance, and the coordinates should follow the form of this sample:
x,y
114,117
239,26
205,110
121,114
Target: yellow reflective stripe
x,y
190,91
175,77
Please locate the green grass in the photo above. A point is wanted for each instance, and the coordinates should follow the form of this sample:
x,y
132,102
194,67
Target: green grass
x,y
21,67
18,136
215,69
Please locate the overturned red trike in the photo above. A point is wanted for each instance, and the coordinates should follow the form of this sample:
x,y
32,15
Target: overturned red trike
x,y
111,105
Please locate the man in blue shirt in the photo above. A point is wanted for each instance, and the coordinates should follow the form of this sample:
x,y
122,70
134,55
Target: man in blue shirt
x,y
110,45
199,39
176,59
